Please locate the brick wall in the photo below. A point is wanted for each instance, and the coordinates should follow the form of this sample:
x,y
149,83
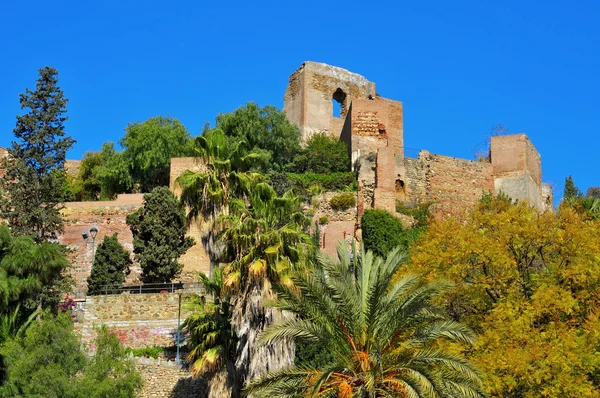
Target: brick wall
x,y
108,217
453,184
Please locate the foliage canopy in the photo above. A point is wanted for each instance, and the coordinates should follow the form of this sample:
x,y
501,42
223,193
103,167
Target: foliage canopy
x,y
528,283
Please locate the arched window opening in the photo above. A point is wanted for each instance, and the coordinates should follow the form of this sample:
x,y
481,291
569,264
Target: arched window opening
x,y
338,103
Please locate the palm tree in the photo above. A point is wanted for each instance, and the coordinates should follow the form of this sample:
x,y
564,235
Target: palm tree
x,y
210,337
264,242
260,237
385,335
227,174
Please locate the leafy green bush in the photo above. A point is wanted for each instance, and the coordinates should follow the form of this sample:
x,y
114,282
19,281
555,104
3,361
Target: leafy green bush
x,y
322,154
382,232
343,201
306,184
323,220
148,352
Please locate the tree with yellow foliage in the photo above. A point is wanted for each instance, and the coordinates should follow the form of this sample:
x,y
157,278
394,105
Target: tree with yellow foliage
x,y
529,284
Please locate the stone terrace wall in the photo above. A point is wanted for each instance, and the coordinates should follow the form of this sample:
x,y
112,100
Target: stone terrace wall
x,y
109,217
453,184
162,379
139,320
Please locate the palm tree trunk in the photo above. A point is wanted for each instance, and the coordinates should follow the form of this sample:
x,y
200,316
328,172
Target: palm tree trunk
x,y
250,318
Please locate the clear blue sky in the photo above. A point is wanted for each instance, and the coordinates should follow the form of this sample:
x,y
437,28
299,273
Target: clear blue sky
x,y
459,67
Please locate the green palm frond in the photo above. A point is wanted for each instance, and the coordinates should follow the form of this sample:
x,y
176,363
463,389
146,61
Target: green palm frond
x,y
385,334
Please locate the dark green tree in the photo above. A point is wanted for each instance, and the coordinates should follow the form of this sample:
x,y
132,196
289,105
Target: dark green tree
x,y
149,147
111,265
86,186
571,191
265,128
159,235
30,273
382,232
48,361
322,154
33,184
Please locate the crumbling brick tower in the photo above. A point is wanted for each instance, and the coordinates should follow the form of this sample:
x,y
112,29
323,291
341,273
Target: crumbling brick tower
x,y
371,126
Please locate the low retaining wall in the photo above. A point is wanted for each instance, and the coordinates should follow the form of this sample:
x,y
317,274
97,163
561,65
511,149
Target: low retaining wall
x,y
163,379
139,320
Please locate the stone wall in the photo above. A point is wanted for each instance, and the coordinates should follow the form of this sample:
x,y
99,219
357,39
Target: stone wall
x,y
163,379
139,320
310,91
453,185
341,224
108,217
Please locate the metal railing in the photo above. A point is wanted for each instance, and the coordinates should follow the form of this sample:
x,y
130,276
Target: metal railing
x,y
169,287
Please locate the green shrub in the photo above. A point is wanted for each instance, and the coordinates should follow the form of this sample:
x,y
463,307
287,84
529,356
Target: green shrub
x,y
148,352
343,201
382,232
323,220
420,212
306,183
322,154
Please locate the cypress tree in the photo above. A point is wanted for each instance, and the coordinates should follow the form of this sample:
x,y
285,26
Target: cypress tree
x,y
571,191
111,265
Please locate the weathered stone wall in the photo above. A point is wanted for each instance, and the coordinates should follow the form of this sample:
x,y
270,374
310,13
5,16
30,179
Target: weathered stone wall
x,y
139,320
109,217
308,97
341,224
163,379
517,169
454,185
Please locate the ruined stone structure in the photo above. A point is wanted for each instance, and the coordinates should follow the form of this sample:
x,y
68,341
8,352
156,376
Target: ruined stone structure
x,y
372,128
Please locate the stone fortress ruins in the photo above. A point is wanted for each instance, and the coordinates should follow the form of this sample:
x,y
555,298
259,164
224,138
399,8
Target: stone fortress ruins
x,y
372,128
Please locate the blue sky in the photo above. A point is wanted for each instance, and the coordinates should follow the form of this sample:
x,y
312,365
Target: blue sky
x,y
459,67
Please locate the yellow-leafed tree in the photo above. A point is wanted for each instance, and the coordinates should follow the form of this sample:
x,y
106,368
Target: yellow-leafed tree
x,y
529,284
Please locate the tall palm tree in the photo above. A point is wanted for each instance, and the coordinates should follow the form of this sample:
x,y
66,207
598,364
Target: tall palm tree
x,y
264,242
385,335
260,237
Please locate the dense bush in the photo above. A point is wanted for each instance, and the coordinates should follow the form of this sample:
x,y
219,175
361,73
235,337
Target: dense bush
x,y
420,212
343,201
148,352
303,184
382,232
322,154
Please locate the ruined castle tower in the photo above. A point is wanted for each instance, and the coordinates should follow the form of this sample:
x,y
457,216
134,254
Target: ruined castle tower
x,y
372,128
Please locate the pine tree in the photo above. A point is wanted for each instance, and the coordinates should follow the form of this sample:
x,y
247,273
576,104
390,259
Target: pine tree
x,y
31,188
571,191
111,265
